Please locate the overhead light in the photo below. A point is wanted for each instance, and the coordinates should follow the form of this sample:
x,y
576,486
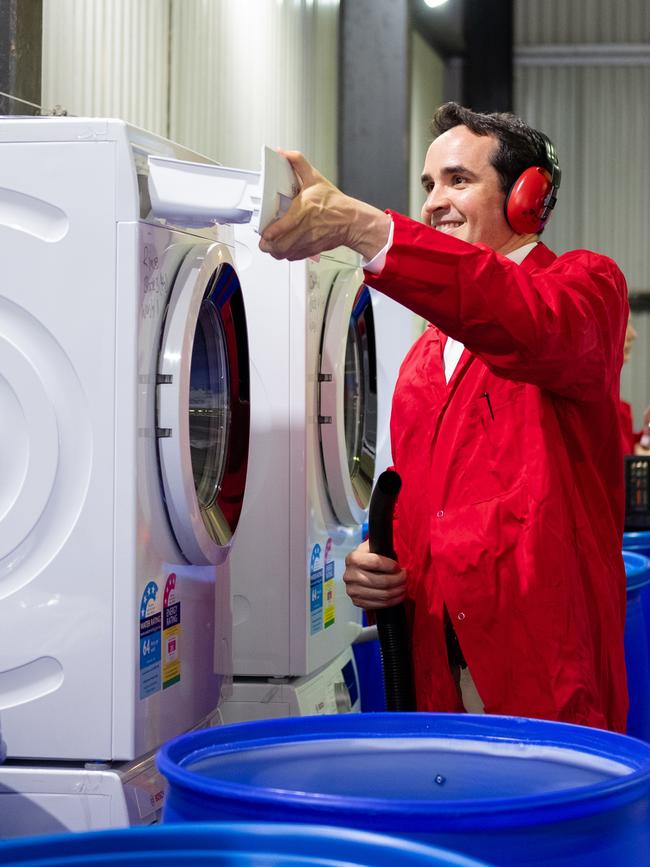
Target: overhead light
x,y
433,3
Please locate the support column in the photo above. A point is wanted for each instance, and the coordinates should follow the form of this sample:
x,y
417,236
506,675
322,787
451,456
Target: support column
x,y
487,74
374,102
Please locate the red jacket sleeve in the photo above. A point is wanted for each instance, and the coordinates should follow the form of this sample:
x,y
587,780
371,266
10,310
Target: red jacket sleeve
x,y
559,327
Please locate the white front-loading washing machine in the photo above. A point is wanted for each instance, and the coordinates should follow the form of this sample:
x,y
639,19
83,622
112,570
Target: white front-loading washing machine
x,y
310,475
124,399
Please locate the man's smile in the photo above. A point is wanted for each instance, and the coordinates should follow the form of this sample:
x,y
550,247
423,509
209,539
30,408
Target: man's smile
x,y
449,226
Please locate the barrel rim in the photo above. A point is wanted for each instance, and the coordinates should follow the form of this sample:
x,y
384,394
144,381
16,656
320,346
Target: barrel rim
x,y
189,839
457,814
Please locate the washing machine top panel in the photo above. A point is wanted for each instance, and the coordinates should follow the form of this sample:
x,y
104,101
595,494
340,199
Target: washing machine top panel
x,y
134,147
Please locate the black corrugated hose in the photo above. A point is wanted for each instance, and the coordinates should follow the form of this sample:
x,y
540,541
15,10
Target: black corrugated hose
x,y
391,622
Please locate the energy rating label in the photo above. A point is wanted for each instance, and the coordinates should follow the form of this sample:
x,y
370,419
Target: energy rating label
x,y
150,623
329,589
171,669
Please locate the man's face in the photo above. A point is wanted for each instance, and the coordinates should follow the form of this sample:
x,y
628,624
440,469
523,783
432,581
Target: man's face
x,y
464,196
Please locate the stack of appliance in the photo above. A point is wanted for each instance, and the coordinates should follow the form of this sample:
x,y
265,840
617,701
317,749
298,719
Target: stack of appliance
x,y
165,389
124,395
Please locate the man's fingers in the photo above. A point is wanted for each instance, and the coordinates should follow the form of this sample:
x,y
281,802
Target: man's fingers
x,y
379,588
373,581
364,597
301,166
363,559
280,228
380,581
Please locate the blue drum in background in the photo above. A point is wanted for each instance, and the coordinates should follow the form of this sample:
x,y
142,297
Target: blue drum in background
x,y
637,644
226,845
509,790
367,656
638,542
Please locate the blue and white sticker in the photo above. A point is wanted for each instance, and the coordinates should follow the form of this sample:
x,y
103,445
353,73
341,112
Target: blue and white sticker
x,y
315,590
150,641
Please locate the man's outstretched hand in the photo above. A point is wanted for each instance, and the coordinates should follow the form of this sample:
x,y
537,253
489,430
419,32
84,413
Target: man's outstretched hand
x,y
321,218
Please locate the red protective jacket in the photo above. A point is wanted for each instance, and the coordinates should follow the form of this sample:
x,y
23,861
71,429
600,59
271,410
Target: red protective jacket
x,y
511,510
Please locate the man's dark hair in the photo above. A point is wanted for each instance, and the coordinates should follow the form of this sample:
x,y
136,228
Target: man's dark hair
x,y
519,145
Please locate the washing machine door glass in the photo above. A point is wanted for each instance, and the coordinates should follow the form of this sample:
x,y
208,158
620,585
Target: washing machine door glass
x,y
209,407
203,404
353,398
348,398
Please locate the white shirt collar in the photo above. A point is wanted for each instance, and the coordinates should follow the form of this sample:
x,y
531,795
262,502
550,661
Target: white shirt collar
x,y
520,253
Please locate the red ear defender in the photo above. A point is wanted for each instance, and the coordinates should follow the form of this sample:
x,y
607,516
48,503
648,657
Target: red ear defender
x,y
530,201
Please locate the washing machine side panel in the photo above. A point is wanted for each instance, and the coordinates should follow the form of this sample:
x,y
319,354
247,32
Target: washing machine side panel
x,y
258,563
153,703
303,409
57,300
129,386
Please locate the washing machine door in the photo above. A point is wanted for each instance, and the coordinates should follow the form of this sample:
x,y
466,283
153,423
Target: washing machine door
x,y
348,398
203,408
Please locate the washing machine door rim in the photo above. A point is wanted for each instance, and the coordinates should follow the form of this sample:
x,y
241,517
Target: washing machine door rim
x,y
348,398
202,397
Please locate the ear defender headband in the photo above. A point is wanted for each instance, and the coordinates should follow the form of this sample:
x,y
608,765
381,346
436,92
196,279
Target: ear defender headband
x,y
532,197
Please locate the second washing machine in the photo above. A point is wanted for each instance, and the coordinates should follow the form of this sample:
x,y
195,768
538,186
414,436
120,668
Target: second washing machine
x,y
314,405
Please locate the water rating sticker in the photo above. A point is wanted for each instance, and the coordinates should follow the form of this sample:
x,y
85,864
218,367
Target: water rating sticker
x,y
329,592
150,639
315,590
171,669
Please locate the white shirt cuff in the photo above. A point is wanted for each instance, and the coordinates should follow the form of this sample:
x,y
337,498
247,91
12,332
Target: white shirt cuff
x,y
376,264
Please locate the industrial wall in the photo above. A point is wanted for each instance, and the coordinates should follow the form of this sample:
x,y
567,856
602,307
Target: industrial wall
x,y
217,77
427,71
582,74
108,58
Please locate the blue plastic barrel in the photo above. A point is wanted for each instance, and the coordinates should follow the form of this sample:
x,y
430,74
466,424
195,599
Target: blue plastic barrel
x,y
638,542
510,790
637,645
367,656
236,845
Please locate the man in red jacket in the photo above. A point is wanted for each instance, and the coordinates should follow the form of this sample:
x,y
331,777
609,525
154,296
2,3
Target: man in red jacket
x,y
504,428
